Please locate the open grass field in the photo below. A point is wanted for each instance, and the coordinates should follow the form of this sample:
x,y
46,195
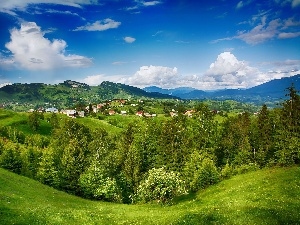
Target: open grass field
x,y
19,121
268,196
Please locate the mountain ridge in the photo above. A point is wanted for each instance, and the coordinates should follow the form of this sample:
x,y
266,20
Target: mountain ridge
x,y
70,93
271,90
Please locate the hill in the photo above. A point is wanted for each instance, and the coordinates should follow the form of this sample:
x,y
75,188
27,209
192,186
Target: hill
x,y
269,196
70,93
273,90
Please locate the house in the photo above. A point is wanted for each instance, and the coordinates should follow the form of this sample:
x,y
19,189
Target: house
x,y
81,113
139,113
189,113
70,112
148,115
111,112
52,110
173,114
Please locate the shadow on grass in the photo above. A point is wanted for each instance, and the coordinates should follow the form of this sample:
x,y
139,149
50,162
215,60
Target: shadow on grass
x,y
274,216
9,216
201,218
184,198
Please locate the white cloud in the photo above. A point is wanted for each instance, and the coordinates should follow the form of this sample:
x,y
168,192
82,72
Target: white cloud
x,y
240,5
229,72
10,6
95,80
100,25
141,4
151,3
286,35
264,31
226,72
32,51
129,39
260,33
295,3
154,75
4,84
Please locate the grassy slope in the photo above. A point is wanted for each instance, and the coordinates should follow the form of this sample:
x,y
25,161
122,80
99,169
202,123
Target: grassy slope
x,y
269,196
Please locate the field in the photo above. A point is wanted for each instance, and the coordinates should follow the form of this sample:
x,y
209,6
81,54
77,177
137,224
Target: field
x,y
268,196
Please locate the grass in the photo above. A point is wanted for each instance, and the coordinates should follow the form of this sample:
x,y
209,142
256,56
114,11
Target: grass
x,y
269,196
19,121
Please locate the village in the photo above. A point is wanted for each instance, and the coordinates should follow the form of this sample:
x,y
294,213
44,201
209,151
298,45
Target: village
x,y
115,107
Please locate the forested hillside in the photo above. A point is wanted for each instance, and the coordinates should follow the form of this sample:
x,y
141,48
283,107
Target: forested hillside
x,y
68,94
152,159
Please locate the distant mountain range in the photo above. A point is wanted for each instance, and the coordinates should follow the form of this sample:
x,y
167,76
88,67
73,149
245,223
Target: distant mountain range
x,y
271,91
70,93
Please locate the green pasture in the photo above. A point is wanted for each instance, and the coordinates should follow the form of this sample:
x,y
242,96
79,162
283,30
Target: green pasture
x,y
268,196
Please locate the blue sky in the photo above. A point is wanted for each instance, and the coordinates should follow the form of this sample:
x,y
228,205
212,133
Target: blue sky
x,y
167,43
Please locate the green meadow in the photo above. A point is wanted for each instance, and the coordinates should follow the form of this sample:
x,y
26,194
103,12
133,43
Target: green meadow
x,y
268,196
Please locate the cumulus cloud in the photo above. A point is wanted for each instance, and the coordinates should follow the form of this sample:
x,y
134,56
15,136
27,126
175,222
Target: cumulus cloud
x,y
100,25
16,5
32,51
154,75
227,71
129,39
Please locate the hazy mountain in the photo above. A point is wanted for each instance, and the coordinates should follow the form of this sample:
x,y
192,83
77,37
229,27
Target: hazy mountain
x,y
70,93
269,91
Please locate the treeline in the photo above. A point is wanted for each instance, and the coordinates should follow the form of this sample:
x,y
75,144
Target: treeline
x,y
155,160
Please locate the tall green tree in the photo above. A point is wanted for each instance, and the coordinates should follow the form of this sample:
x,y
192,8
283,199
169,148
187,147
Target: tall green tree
x,y
34,120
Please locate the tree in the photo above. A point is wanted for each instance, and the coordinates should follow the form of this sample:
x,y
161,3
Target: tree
x,y
34,120
291,111
288,134
54,121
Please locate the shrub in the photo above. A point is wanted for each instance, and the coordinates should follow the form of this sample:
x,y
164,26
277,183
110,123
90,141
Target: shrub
x,y
95,184
160,186
246,168
200,171
227,171
10,158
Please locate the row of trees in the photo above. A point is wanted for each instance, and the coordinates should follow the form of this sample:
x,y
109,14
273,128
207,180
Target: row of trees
x,y
153,159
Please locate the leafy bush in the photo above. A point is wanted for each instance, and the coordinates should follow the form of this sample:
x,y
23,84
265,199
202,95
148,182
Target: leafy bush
x,y
246,168
200,171
160,186
47,172
10,157
227,171
96,185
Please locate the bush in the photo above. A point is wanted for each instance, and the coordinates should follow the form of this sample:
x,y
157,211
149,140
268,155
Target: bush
x,y
95,184
227,171
10,158
160,186
246,168
200,171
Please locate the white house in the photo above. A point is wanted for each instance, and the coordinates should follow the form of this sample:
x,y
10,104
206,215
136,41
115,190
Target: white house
x,y
52,110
